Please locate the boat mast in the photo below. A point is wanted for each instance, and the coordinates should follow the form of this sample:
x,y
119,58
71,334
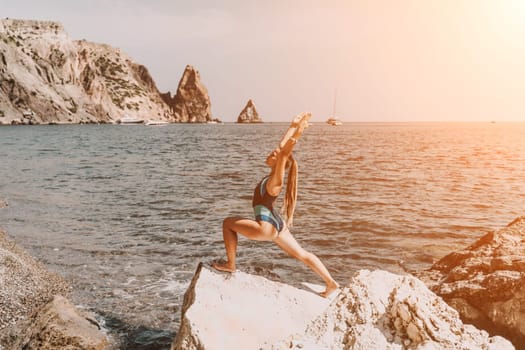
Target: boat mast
x,y
335,97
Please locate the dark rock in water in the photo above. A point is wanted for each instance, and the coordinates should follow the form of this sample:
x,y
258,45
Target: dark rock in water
x,y
249,114
191,103
486,282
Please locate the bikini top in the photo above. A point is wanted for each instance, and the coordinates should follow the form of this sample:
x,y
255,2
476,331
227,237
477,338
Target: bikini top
x,y
261,196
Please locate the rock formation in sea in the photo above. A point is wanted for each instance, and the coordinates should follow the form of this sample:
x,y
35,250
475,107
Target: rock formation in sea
x,y
33,312
485,282
49,78
377,310
249,114
191,103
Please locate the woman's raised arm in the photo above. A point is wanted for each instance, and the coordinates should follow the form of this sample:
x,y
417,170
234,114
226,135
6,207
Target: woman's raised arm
x,y
294,132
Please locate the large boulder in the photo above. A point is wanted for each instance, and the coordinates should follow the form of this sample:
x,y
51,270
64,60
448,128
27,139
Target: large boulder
x,y
25,284
380,310
191,103
485,282
377,310
242,311
249,114
57,325
33,312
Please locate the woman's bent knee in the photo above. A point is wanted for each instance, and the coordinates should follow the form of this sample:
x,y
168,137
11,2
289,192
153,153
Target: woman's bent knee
x,y
227,222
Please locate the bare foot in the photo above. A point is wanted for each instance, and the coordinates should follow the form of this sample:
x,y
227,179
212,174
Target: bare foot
x,y
330,288
226,267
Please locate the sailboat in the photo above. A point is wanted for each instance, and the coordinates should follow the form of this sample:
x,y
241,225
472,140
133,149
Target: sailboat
x,y
333,120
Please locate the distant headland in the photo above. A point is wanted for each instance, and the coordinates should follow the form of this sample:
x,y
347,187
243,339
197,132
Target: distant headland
x,y
48,78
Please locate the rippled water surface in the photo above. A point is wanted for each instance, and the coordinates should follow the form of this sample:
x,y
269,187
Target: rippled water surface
x,y
126,212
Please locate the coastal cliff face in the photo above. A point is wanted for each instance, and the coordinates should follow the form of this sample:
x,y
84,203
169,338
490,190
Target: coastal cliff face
x,y
485,282
376,310
48,78
191,103
249,114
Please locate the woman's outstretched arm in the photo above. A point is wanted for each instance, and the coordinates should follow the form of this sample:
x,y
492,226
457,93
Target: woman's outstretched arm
x,y
276,180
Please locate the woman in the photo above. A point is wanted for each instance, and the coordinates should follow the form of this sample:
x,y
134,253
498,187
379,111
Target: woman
x,y
268,225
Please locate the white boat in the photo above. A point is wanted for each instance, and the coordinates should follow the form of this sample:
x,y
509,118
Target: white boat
x,y
334,121
127,120
156,122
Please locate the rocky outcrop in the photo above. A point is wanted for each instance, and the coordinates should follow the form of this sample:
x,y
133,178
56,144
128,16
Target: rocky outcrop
x,y
380,310
33,314
191,103
242,311
485,282
377,310
49,78
58,325
25,285
249,114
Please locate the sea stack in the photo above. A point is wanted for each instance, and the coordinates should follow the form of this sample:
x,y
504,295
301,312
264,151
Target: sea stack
x,y
249,114
191,103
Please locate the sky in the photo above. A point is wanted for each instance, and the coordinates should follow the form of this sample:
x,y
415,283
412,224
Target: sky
x,y
378,60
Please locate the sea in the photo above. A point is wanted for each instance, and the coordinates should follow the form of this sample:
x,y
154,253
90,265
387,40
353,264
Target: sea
x,y
126,213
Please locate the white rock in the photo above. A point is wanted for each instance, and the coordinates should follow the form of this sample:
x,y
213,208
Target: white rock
x,y
380,310
243,311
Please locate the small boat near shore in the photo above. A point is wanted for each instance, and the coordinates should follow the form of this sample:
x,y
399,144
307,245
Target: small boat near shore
x,y
127,120
156,122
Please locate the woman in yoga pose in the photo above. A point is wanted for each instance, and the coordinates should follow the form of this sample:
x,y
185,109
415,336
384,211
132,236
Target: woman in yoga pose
x,y
268,224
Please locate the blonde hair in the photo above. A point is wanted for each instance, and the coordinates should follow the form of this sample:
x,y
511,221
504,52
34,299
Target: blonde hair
x,y
290,197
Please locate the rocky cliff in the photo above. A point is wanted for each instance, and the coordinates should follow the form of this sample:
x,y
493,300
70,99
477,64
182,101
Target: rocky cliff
x,y
191,103
48,78
485,282
249,114
376,310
